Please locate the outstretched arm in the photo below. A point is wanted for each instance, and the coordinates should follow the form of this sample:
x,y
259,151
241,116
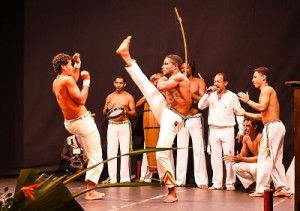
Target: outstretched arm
x,y
140,102
242,112
264,99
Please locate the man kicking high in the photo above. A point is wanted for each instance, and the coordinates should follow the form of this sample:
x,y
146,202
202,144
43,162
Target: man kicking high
x,y
170,102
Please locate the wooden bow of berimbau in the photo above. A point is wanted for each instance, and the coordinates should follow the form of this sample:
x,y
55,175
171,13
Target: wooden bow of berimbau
x,y
183,37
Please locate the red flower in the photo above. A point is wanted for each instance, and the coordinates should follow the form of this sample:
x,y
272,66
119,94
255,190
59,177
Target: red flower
x,y
29,190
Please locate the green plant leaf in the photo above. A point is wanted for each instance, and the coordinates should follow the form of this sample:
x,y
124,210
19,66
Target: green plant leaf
x,y
52,194
132,153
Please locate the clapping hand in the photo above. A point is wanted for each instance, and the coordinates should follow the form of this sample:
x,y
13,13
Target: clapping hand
x,y
244,96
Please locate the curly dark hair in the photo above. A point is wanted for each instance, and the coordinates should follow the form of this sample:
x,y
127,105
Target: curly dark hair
x,y
254,122
59,60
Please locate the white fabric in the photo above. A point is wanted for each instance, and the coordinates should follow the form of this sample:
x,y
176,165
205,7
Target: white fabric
x,y
221,121
170,122
118,134
221,111
155,99
221,140
169,127
271,167
147,175
246,172
86,129
192,128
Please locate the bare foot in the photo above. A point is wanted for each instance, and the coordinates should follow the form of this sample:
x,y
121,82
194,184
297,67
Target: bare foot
x,y
171,198
123,51
94,195
203,186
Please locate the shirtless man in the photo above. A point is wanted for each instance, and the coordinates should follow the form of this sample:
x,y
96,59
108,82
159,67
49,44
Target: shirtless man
x,y
192,127
245,166
78,120
271,147
170,102
119,129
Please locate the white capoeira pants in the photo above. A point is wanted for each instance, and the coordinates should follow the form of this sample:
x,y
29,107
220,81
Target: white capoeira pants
x,y
221,138
118,133
170,122
270,166
246,172
146,175
86,129
193,128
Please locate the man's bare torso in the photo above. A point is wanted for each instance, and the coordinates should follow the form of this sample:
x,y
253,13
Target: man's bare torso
x,y
119,100
253,145
195,87
69,107
179,97
272,111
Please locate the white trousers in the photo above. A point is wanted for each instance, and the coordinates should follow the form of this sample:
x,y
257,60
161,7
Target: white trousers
x,y
270,167
118,134
246,172
155,99
147,175
221,141
170,122
193,128
87,131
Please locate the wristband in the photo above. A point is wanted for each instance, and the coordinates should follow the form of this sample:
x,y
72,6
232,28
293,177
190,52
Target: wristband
x,y
248,100
86,82
77,65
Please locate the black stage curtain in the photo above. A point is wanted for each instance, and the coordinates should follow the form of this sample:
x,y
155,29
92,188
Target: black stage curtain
x,y
231,36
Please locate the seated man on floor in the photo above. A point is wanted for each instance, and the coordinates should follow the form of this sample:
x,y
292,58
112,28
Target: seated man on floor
x,y
245,166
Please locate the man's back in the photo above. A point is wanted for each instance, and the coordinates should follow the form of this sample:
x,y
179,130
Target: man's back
x,y
61,89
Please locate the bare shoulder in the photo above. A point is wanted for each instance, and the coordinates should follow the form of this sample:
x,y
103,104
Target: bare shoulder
x,y
179,77
64,81
259,136
246,138
200,81
127,94
267,89
109,96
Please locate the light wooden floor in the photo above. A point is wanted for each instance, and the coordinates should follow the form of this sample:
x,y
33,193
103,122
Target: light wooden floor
x,y
151,197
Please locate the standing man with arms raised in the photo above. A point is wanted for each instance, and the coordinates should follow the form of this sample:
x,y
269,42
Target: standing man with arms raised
x,y
221,120
169,107
193,127
78,119
271,147
119,129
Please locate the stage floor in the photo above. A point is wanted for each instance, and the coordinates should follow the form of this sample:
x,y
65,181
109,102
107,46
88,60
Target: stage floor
x,y
150,198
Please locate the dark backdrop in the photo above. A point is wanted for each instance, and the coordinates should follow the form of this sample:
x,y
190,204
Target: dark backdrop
x,y
231,36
